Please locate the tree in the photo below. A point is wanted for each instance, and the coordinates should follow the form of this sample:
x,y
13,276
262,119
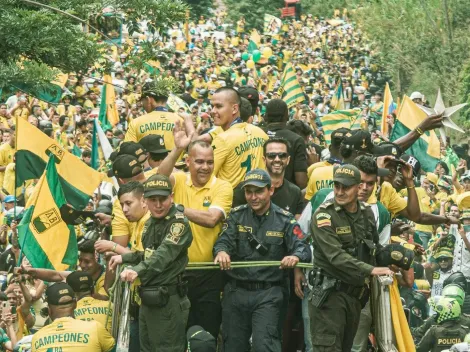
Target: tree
x,y
253,11
39,39
199,8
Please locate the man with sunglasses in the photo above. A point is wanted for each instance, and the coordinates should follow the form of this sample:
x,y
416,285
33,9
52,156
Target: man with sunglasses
x,y
286,194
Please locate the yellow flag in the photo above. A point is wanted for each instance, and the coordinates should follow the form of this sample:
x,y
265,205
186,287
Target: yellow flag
x,y
33,149
388,101
47,241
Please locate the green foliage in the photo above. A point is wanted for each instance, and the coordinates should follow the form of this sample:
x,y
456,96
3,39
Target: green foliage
x,y
325,8
161,87
36,40
423,43
253,11
199,8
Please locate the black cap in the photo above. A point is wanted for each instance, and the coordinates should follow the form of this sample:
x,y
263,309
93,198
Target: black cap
x,y
388,148
415,164
125,166
257,178
347,175
59,294
338,135
154,143
130,148
251,94
157,185
199,340
395,254
80,281
360,141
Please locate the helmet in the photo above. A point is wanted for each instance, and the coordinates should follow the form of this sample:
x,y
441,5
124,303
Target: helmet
x,y
446,308
418,305
454,291
457,278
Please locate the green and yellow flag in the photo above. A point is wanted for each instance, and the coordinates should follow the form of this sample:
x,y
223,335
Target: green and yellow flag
x,y
341,118
46,240
108,115
427,148
290,89
33,149
337,101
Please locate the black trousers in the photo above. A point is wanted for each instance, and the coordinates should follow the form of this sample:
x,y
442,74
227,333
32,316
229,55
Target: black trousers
x,y
204,289
334,325
253,314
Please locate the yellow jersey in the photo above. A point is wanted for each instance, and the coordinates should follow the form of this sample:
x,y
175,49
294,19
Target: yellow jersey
x,y
316,166
99,284
237,151
136,234
6,157
120,225
157,122
69,334
216,194
322,177
92,309
425,205
390,198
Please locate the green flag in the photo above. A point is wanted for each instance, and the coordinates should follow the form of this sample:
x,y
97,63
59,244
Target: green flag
x,y
290,89
95,159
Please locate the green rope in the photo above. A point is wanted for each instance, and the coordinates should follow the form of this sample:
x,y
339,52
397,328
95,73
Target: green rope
x,y
236,265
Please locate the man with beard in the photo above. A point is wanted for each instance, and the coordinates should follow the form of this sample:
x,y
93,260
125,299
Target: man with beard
x,y
286,194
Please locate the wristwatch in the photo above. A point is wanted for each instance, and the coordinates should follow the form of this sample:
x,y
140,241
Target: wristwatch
x,y
180,208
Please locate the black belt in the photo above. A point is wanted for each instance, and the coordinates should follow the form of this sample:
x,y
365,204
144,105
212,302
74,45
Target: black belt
x,y
255,285
353,291
172,290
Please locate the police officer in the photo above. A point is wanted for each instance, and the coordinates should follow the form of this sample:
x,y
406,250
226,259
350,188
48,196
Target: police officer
x,y
166,238
344,239
66,333
255,297
449,330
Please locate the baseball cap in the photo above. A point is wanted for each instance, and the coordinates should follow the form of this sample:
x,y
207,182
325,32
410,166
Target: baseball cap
x,y
338,135
80,281
125,166
251,94
416,95
257,178
443,253
153,143
130,148
157,185
9,199
432,177
445,182
388,148
347,175
415,164
59,294
360,141
199,340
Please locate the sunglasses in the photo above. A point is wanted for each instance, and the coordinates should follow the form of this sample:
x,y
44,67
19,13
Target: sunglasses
x,y
272,156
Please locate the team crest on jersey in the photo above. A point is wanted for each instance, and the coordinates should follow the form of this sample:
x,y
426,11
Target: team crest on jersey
x,y
436,275
207,201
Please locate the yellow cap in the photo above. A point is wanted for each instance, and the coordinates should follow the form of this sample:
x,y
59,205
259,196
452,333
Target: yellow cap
x,y
463,200
432,177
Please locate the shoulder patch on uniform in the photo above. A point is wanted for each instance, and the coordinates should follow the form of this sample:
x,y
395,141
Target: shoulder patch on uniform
x,y
323,215
179,215
436,275
176,229
297,231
